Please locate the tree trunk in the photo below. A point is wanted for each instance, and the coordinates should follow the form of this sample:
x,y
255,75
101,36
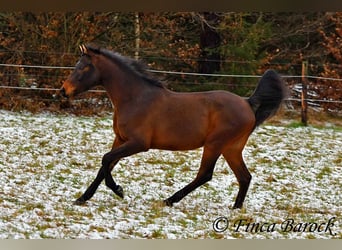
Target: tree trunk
x,y
209,42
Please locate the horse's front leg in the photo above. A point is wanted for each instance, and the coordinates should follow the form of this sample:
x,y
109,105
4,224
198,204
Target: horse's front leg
x,y
109,160
92,187
97,181
124,150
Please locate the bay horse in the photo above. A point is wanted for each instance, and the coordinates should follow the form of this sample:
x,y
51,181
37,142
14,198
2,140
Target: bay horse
x,y
149,116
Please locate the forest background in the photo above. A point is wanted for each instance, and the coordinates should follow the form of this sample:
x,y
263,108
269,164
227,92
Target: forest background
x,y
198,42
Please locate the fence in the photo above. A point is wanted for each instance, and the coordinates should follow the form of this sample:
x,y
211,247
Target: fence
x,y
20,82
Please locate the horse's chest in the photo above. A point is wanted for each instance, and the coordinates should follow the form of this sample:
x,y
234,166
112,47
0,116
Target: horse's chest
x,y
127,126
119,128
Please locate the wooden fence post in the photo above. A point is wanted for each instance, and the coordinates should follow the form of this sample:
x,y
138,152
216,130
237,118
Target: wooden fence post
x,y
304,95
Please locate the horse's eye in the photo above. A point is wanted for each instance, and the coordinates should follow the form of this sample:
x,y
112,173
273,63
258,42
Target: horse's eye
x,y
83,71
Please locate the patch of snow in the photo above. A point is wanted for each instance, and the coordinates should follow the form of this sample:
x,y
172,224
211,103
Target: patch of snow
x,y
47,161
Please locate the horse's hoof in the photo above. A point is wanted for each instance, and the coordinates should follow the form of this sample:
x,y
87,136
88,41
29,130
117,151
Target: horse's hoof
x,y
79,202
168,203
119,191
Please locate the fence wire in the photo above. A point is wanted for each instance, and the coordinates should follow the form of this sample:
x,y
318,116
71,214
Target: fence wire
x,y
34,88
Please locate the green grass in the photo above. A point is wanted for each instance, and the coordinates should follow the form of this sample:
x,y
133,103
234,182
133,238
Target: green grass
x,y
325,171
50,162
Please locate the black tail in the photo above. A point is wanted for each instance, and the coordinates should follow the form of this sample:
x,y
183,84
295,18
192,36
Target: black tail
x,y
267,97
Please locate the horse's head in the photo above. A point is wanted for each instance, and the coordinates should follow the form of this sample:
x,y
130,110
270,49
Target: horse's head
x,y
84,76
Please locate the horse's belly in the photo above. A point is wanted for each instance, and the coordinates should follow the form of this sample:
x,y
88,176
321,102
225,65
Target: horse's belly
x,y
175,146
180,138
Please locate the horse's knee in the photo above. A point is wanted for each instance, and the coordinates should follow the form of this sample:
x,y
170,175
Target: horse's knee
x,y
106,160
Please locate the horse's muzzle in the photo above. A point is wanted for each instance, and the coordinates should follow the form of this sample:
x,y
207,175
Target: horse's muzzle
x,y
63,93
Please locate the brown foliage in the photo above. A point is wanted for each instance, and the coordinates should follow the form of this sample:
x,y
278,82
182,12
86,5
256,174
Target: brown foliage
x,y
245,43
332,42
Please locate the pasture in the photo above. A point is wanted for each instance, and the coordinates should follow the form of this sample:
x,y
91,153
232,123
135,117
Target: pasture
x,y
47,161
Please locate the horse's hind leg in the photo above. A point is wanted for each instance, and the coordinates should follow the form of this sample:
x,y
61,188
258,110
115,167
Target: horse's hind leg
x,y
204,174
236,163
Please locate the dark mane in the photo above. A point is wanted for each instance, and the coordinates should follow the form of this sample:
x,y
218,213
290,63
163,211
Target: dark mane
x,y
136,67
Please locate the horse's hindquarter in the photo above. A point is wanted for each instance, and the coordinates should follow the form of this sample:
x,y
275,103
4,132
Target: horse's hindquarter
x,y
186,121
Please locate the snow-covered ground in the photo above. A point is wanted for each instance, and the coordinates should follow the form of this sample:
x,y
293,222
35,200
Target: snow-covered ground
x,y
47,161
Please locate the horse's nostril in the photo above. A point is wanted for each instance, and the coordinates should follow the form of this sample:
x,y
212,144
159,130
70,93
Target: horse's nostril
x,y
62,92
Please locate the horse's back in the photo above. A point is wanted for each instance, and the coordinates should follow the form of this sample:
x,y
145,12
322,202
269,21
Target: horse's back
x,y
223,104
187,120
230,113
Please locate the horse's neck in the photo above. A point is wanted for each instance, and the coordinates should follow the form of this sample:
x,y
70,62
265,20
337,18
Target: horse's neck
x,y
124,89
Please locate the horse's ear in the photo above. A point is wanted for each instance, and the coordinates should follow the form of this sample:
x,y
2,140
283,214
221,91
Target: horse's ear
x,y
83,49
